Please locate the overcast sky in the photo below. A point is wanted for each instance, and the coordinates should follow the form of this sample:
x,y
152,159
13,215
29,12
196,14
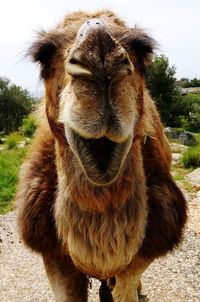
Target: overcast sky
x,y
175,24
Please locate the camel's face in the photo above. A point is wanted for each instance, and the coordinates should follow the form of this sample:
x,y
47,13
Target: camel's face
x,y
98,103
98,107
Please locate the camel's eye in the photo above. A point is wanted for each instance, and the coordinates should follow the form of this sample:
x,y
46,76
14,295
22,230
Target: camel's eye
x,y
139,44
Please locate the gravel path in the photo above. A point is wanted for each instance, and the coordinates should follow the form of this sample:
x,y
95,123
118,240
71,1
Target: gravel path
x,y
174,278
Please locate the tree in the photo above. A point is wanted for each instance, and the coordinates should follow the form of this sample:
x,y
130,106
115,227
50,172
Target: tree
x,y
161,82
185,83
189,110
195,82
15,104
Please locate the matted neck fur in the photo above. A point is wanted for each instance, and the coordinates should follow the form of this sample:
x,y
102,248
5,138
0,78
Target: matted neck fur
x,y
95,195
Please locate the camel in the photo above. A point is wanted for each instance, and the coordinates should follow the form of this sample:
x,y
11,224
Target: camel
x,y
95,196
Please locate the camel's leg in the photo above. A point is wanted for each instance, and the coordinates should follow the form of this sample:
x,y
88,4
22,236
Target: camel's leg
x,y
67,282
128,284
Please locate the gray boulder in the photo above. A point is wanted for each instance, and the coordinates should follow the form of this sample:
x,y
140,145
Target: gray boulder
x,y
184,137
171,133
187,138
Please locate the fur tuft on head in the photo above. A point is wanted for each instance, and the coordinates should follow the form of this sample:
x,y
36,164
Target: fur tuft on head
x,y
44,49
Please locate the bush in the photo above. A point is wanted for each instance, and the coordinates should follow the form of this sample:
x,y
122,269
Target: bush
x,y
29,126
12,140
191,158
189,109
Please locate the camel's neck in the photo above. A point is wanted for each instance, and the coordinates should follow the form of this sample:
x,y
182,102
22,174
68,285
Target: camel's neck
x,y
74,185
105,223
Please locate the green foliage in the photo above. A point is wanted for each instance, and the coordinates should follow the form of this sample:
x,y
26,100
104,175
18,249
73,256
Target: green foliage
x,y
189,110
13,139
175,110
15,104
185,82
10,161
191,157
29,126
161,82
179,172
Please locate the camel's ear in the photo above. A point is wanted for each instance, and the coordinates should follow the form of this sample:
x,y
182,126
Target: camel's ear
x,y
44,49
140,44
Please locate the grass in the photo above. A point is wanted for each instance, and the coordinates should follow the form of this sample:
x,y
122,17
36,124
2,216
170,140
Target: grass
x,y
191,158
10,161
179,172
189,187
198,138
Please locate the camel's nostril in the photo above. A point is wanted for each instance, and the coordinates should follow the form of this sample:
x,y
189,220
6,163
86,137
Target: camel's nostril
x,y
123,68
96,53
75,68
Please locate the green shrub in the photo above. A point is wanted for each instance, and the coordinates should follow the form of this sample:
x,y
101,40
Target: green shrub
x,y
29,126
191,158
13,139
15,104
189,108
197,139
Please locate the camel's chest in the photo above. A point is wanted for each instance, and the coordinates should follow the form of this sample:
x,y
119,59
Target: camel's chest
x,y
103,244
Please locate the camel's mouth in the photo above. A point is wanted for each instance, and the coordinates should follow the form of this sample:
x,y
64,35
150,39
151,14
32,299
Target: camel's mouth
x,y
101,159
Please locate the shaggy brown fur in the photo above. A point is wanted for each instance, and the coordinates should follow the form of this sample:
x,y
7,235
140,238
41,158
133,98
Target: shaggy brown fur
x,y
95,195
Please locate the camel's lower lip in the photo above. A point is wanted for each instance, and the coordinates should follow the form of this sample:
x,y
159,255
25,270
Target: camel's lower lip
x,y
101,159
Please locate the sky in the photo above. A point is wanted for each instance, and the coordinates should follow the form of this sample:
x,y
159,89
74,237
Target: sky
x,y
175,25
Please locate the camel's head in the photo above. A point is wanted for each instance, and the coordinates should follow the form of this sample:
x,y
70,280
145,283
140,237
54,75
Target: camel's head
x,y
93,70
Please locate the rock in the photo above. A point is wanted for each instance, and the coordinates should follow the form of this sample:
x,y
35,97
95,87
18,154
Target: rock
x,y
176,158
21,144
194,177
185,137
171,133
178,148
2,139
